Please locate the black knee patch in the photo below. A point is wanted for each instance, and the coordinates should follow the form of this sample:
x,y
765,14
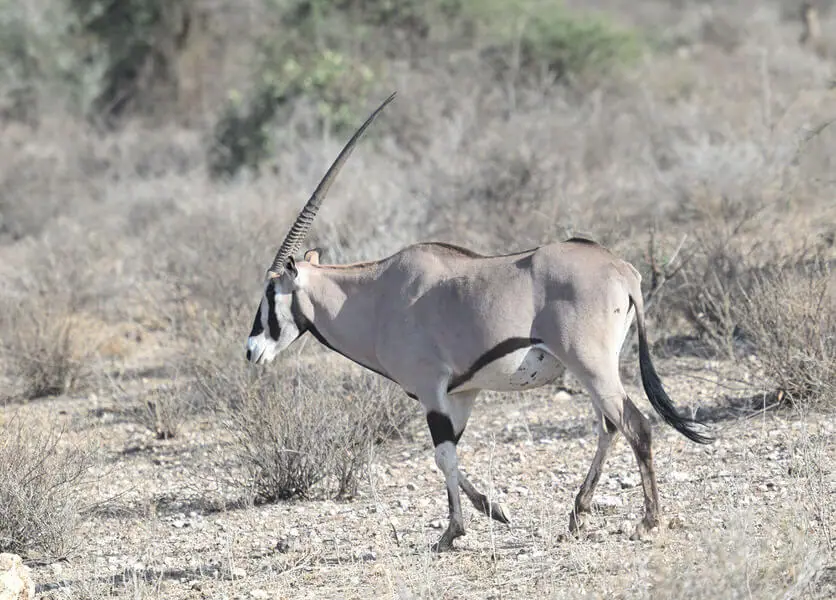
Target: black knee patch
x,y
609,426
441,428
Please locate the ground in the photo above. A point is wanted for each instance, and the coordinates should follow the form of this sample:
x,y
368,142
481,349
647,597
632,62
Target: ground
x,y
168,529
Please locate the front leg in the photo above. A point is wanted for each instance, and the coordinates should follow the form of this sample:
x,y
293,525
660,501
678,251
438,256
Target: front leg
x,y
445,440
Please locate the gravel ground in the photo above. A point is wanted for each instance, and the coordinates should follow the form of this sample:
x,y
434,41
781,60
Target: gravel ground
x,y
169,522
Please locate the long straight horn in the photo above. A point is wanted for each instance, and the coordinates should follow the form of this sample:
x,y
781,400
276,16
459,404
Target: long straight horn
x,y
303,222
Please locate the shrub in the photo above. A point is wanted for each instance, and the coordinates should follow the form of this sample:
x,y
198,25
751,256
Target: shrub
x,y
789,312
41,63
537,38
39,488
333,81
164,409
298,427
139,41
44,354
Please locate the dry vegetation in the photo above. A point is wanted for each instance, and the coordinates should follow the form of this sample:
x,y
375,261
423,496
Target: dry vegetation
x,y
152,153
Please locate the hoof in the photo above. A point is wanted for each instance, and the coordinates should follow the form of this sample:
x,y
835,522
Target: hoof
x,y
577,521
645,529
491,509
445,542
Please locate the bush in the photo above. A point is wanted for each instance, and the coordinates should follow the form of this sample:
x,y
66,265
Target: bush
x,y
44,354
40,483
165,408
298,427
41,63
789,313
333,81
544,38
139,41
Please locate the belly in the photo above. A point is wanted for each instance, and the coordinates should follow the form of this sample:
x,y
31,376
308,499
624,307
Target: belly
x,y
522,369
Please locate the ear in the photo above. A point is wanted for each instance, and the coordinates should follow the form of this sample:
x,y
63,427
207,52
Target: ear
x,y
312,256
291,267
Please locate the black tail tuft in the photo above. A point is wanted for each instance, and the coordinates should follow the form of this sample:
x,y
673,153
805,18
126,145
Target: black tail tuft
x,y
660,400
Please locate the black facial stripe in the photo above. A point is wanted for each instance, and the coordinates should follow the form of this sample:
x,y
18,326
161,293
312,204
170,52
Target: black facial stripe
x,y
498,351
609,426
272,320
257,326
441,428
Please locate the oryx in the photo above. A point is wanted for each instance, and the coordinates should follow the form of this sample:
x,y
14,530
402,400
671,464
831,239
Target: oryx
x,y
444,323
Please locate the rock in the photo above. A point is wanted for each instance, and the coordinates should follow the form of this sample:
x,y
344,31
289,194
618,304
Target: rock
x,y
608,504
437,524
676,522
596,536
630,480
259,594
238,573
15,579
679,476
411,487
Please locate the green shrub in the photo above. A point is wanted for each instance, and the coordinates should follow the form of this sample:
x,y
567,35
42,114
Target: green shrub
x,y
42,63
333,81
139,41
535,38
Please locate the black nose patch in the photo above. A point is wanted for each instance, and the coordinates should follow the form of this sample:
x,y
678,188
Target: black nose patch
x,y
249,354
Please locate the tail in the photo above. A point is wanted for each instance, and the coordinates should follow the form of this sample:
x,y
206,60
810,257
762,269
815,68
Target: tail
x,y
653,385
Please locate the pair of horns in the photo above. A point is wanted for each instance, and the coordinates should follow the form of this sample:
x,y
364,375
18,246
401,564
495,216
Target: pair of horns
x,y
305,219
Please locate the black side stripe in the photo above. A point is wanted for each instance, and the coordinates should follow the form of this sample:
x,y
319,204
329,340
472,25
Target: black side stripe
x,y
498,351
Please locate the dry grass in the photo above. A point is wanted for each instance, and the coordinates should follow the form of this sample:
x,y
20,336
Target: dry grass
x,y
41,487
301,430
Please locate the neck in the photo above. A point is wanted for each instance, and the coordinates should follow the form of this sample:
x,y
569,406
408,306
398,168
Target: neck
x,y
339,306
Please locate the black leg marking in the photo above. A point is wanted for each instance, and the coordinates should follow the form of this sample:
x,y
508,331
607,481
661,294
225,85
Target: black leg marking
x,y
441,428
498,351
609,426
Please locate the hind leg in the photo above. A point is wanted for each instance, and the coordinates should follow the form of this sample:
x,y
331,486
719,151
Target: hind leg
x,y
583,501
621,411
612,401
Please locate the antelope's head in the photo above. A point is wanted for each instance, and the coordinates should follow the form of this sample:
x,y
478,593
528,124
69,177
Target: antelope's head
x,y
278,322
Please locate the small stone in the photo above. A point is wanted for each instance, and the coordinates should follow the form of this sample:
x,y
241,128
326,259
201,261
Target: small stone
x,y
629,481
595,536
194,584
178,523
562,396
608,504
626,527
238,573
16,581
679,476
259,594
437,524
411,487
282,545
676,522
